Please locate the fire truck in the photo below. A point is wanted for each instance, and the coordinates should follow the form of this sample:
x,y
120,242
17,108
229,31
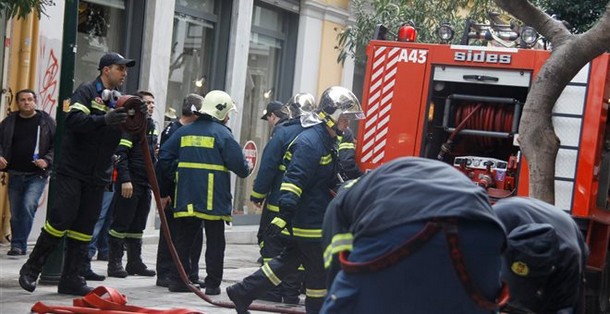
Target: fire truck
x,y
462,104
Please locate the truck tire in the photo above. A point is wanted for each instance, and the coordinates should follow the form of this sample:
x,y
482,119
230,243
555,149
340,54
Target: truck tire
x,y
598,301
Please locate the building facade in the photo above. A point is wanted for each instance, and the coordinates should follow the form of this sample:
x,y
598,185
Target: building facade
x,y
257,51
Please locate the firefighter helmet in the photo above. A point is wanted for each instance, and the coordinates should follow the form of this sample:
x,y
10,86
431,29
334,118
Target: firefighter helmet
x,y
338,101
217,104
301,103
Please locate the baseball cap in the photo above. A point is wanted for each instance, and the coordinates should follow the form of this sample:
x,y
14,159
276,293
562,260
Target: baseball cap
x,y
111,58
272,107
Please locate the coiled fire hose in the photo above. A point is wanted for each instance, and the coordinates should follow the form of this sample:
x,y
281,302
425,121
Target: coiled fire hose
x,y
136,124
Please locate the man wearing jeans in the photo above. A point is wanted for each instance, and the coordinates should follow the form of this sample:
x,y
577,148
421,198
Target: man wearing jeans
x,y
26,152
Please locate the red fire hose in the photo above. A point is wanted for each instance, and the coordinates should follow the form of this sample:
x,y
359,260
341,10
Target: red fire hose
x,y
136,124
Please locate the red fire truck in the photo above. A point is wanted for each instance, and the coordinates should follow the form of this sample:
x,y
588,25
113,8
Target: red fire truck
x,y
462,104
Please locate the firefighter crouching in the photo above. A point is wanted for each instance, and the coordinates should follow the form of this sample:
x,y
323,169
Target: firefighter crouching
x,y
206,152
311,170
545,257
389,238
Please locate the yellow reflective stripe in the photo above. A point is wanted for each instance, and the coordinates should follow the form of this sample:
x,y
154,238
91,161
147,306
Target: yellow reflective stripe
x,y
340,242
200,165
288,155
325,160
262,244
52,231
273,208
127,143
278,222
347,146
282,168
98,106
291,188
339,138
329,121
78,236
350,183
257,195
267,260
190,208
80,107
210,191
197,141
315,293
175,190
133,235
269,273
202,216
304,233
301,267
116,234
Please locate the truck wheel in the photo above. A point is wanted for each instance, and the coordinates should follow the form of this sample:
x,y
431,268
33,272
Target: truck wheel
x,y
598,302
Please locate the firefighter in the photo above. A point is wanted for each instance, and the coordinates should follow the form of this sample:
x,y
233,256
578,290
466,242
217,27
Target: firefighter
x,y
85,167
387,238
205,152
311,171
545,257
132,199
266,191
347,156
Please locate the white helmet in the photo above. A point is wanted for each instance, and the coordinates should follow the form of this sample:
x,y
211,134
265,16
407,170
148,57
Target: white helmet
x,y
300,104
338,101
217,104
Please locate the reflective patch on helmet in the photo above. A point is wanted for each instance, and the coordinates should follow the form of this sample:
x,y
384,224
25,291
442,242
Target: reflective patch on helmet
x,y
520,268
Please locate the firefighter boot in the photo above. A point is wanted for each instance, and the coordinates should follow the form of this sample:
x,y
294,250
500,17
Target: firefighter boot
x,y
115,257
77,253
252,287
135,266
89,274
28,275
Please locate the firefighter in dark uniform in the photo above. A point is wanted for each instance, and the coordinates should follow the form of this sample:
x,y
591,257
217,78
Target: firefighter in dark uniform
x,y
190,105
545,257
311,172
347,156
131,200
388,237
206,153
84,169
266,192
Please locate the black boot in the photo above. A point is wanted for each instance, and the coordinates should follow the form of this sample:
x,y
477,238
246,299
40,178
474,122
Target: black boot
x,y
115,257
135,266
28,275
252,287
76,256
89,274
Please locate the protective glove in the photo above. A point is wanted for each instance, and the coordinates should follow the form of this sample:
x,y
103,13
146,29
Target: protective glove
x,y
144,109
276,226
115,116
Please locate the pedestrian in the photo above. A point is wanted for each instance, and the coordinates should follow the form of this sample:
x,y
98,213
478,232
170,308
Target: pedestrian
x,y
190,105
26,152
132,199
399,234
202,155
91,136
266,190
311,171
545,258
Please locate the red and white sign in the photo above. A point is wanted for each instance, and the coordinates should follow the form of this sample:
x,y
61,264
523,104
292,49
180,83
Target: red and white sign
x,y
251,154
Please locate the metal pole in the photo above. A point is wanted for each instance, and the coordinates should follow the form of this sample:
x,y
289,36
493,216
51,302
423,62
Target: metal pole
x,y
51,271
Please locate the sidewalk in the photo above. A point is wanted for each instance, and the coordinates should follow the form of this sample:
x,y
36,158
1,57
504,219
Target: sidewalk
x,y
240,261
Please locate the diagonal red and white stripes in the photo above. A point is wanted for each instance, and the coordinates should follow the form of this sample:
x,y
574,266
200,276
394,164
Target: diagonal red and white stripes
x,y
380,95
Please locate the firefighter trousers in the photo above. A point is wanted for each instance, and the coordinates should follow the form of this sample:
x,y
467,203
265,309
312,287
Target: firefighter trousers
x,y
129,215
186,231
296,252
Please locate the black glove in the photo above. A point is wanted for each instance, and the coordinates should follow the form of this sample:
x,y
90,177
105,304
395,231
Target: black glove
x,y
144,109
115,116
276,226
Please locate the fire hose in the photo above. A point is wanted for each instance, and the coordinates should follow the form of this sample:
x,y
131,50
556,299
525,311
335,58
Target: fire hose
x,y
136,124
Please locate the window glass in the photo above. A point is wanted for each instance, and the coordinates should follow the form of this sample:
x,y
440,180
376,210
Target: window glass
x,y
267,19
100,29
197,5
261,87
189,61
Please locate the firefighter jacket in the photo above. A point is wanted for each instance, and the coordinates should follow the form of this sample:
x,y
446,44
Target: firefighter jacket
x,y
166,179
271,170
404,191
88,143
131,165
45,144
206,152
311,172
347,156
152,139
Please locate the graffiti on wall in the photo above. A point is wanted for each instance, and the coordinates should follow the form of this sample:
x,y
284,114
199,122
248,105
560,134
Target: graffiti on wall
x,y
48,80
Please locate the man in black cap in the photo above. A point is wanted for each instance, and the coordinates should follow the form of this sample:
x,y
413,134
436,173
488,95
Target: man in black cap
x,y
545,257
91,138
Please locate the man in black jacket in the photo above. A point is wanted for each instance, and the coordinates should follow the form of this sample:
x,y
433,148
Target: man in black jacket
x,y
26,152
91,137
